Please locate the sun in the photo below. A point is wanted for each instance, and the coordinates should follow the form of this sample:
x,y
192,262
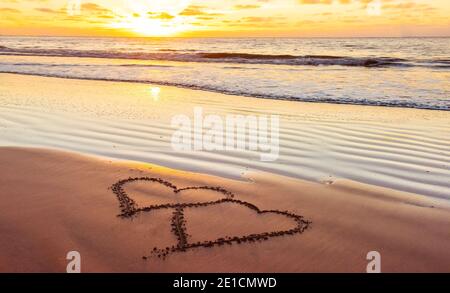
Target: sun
x,y
151,17
150,27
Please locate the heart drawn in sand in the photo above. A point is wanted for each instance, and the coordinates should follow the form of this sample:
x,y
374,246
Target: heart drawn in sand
x,y
130,209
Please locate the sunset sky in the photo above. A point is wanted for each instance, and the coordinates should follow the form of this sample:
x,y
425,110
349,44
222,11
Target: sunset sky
x,y
226,18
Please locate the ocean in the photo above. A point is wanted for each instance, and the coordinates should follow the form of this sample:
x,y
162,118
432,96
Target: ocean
x,y
396,72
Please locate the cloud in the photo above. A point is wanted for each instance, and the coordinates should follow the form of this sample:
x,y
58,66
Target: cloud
x,y
47,10
197,10
248,6
9,10
162,15
193,10
316,1
407,5
327,2
94,8
260,19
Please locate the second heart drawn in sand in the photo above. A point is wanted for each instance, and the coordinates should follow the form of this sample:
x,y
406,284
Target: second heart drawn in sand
x,y
130,209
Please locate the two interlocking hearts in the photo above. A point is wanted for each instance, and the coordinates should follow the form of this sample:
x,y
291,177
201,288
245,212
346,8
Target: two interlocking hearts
x,y
129,209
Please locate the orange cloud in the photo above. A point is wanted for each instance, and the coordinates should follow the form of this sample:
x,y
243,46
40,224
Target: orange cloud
x,y
248,6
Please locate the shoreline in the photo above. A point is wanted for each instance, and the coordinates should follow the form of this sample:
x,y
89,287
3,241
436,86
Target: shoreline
x,y
215,91
73,191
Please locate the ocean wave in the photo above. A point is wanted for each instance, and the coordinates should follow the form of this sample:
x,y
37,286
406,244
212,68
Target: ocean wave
x,y
144,65
87,65
244,56
237,58
314,60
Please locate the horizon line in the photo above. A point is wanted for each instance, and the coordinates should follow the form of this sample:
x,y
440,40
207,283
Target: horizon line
x,y
229,37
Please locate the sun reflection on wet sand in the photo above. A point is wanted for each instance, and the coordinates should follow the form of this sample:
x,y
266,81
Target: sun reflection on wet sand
x,y
155,91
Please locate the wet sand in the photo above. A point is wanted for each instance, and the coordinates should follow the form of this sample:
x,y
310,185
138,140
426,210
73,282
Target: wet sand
x,y
397,148
121,216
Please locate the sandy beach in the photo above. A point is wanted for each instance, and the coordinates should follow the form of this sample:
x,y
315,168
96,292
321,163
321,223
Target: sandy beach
x,y
92,170
54,202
